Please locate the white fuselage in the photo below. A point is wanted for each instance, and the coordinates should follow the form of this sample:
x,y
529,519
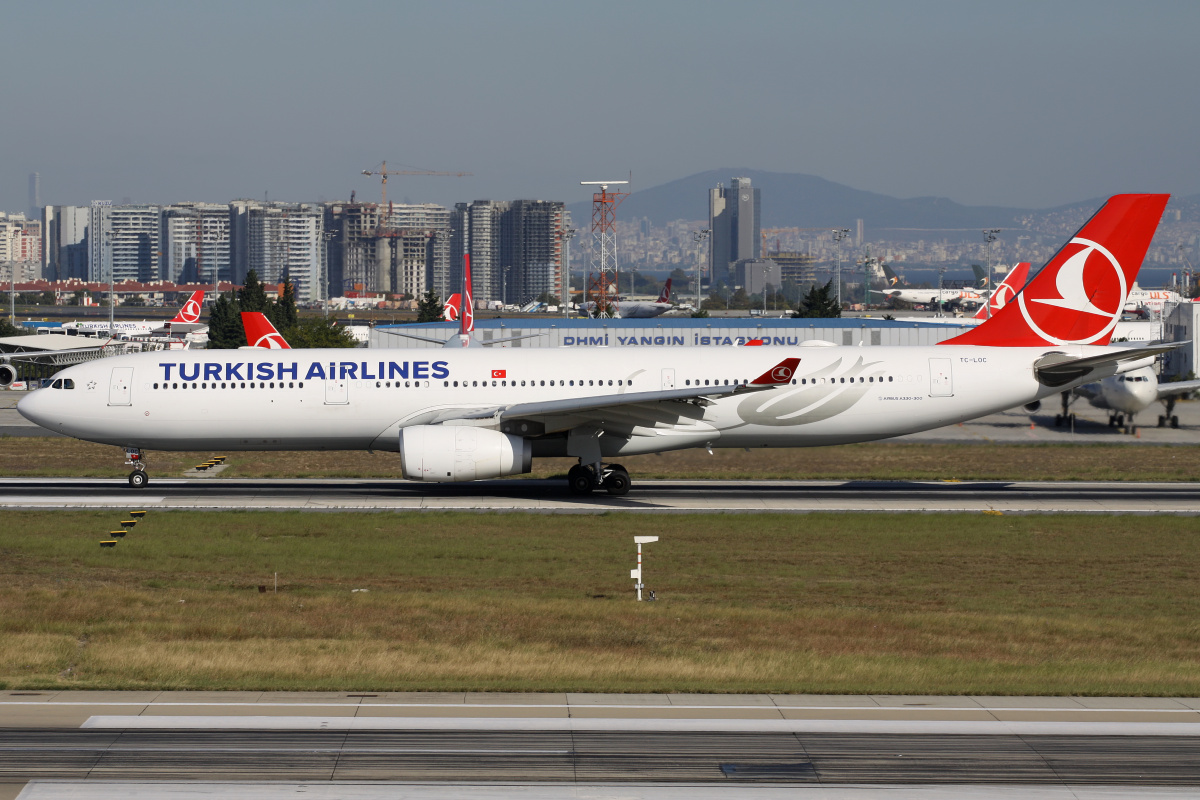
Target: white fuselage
x,y
346,400
930,296
1129,393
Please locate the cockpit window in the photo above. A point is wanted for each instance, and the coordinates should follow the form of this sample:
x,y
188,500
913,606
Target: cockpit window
x,y
57,384
68,383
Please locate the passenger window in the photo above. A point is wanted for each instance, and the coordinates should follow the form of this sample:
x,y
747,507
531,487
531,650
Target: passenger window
x,y
292,385
301,384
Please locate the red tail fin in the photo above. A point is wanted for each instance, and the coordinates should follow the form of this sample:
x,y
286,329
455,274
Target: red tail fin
x,y
450,311
466,314
261,333
191,309
665,297
1078,296
1006,291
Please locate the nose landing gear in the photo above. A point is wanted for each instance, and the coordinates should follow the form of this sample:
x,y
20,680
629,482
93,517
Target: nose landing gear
x,y
133,458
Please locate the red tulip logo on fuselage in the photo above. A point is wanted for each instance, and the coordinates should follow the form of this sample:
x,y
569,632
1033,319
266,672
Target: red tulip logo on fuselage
x,y
1090,283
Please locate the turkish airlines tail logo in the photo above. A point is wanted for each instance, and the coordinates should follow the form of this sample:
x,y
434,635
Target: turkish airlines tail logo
x,y
1077,298
261,333
1006,291
665,297
191,309
466,314
450,310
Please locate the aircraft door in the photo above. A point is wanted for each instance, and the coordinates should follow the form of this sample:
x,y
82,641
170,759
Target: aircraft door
x,y
120,386
337,392
668,379
941,380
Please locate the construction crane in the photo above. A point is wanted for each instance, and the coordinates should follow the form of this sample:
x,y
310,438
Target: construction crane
x,y
384,172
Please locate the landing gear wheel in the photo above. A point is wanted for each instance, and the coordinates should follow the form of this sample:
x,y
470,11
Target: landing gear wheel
x,y
1058,420
1162,421
1174,421
1120,420
617,483
581,480
138,479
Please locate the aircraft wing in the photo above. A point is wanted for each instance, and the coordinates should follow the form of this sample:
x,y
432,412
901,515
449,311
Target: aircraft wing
x,y
25,348
1059,369
1177,387
621,410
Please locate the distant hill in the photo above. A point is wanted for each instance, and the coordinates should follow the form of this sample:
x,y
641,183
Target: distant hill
x,y
807,201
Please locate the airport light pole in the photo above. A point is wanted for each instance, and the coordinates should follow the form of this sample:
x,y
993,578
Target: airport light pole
x,y
567,235
12,292
989,236
941,304
839,234
326,236
698,237
112,292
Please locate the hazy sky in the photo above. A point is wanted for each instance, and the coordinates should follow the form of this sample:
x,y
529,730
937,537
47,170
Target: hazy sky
x,y
1011,103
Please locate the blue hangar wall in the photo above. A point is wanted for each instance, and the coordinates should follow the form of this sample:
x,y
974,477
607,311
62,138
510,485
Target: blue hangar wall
x,y
674,332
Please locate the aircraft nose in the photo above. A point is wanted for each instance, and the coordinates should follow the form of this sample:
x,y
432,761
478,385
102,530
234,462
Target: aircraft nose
x,y
35,407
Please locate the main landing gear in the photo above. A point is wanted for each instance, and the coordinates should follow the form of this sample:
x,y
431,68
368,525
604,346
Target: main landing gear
x,y
1127,426
138,478
613,478
1066,417
1169,418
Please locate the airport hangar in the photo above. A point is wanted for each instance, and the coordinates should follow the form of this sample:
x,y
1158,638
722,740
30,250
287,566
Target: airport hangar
x,y
1180,324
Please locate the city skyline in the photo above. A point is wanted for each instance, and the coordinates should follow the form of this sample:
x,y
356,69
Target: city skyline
x,y
1023,104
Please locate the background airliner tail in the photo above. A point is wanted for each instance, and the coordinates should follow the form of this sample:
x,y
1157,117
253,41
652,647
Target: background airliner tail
x,y
665,297
452,308
261,333
1005,292
1078,297
191,309
466,313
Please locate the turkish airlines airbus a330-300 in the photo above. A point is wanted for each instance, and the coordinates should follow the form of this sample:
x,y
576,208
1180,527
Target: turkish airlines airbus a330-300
x,y
467,413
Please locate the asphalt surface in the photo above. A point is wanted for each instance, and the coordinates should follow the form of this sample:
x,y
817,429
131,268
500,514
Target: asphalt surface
x,y
551,496
590,756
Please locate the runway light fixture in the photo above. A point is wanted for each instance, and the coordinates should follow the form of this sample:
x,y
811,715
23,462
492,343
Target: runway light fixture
x,y
636,574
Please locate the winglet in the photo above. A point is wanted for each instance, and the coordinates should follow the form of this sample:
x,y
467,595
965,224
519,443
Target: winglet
x,y
1078,297
779,374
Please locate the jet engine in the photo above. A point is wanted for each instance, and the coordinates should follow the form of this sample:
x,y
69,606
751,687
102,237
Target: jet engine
x,y
8,374
1032,407
461,453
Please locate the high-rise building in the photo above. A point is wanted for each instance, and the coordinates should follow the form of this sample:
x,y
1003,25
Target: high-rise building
x,y
279,240
21,245
475,230
404,251
734,216
35,196
65,245
530,245
123,241
196,243
515,248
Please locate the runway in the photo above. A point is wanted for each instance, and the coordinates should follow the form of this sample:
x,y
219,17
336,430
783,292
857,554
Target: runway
x,y
663,496
667,747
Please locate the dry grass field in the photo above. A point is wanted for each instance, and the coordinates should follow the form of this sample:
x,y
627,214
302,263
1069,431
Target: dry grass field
x,y
877,461
817,603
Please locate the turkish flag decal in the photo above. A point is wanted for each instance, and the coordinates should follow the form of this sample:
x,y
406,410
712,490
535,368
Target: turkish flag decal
x,y
499,373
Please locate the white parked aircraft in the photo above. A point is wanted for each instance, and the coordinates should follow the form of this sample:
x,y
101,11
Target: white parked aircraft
x,y
1151,300
471,413
947,297
640,309
186,321
1125,395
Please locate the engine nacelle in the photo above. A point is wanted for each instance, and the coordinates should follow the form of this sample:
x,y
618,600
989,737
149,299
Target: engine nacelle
x,y
8,374
461,453
1032,407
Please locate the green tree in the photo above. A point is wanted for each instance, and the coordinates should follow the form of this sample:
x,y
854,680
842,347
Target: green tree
x,y
714,302
8,329
740,299
818,304
700,314
429,309
318,332
284,309
225,330
252,296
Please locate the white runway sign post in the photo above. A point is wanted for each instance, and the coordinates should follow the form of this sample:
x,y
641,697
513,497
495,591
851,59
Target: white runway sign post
x,y
636,574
